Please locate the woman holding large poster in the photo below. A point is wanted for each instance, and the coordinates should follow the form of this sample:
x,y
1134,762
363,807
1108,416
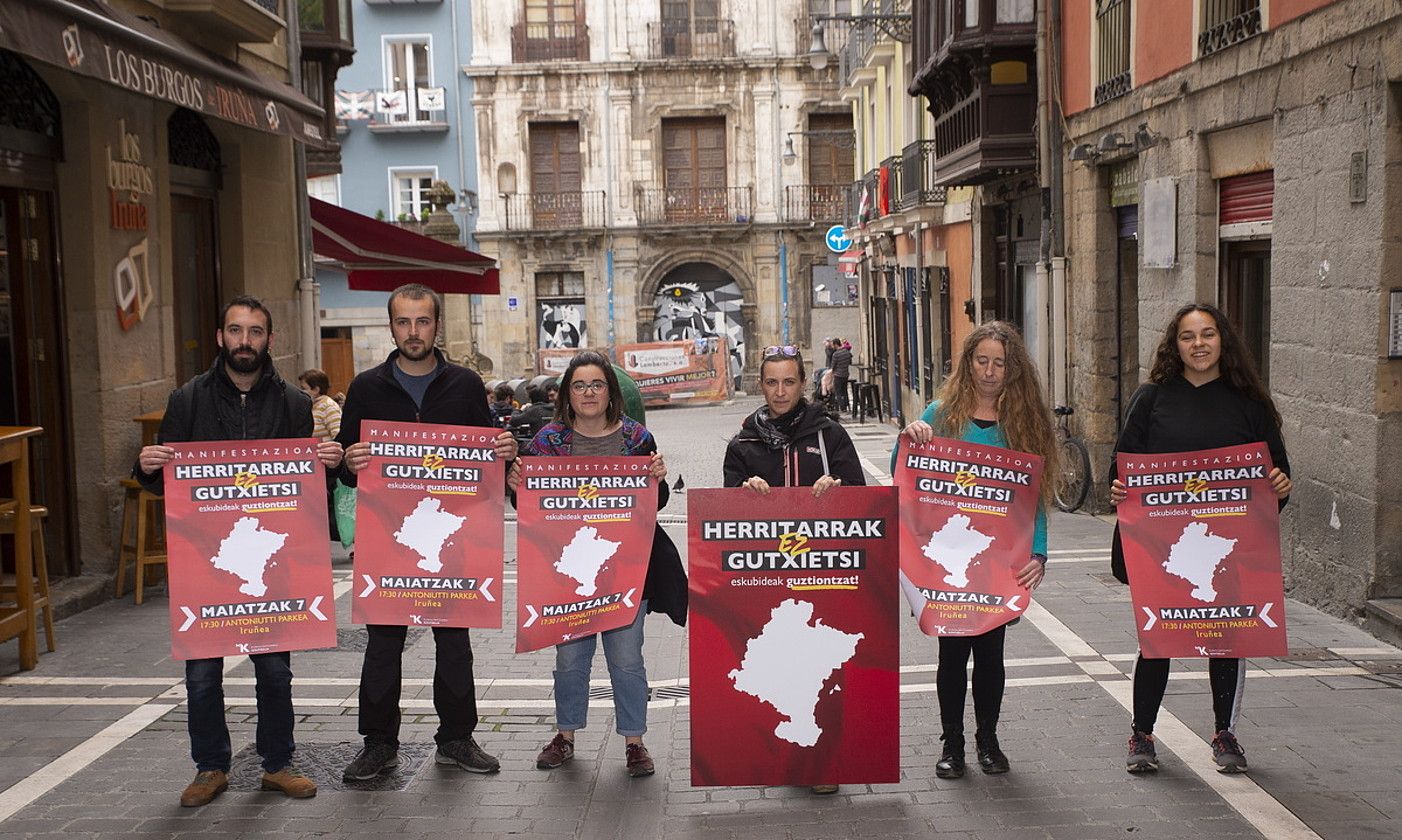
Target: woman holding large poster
x,y
994,398
790,442
1203,393
589,422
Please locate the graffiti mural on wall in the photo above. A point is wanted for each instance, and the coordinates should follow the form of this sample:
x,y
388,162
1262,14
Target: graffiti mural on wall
x,y
699,300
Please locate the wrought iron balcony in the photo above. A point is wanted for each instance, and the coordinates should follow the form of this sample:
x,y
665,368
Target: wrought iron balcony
x,y
816,203
691,38
549,42
1112,88
1228,22
710,206
892,193
555,211
918,187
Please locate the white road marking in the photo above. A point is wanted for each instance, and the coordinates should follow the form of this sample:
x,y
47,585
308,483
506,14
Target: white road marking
x,y
65,766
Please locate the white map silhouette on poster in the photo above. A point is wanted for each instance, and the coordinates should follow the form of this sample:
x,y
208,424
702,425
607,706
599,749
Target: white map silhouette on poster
x,y
246,553
584,558
426,530
954,546
1196,557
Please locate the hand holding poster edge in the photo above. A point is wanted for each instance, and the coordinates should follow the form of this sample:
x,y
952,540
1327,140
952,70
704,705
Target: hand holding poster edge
x,y
951,581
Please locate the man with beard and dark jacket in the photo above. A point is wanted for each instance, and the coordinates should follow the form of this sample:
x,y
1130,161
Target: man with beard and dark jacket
x,y
841,371
240,397
416,384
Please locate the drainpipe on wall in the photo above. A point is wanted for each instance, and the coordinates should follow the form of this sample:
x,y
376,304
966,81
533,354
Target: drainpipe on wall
x,y
1051,265
784,288
308,292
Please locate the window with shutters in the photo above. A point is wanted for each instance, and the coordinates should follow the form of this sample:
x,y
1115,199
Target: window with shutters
x,y
694,169
555,176
1112,33
692,29
550,30
830,163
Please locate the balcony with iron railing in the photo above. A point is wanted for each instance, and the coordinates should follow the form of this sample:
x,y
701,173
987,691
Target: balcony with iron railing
x,y
1227,22
691,38
817,203
694,206
244,21
554,41
917,166
892,192
561,211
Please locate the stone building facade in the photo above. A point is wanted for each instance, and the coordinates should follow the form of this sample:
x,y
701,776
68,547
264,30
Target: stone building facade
x,y
633,176
1255,162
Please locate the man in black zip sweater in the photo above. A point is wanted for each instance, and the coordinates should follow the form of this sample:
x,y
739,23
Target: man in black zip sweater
x,y
416,384
240,397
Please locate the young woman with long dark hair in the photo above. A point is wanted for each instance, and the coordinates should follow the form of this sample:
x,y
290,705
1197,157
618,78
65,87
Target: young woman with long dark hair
x,y
1203,393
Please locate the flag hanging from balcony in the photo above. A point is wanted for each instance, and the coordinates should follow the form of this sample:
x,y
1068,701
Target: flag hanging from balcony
x,y
864,208
883,191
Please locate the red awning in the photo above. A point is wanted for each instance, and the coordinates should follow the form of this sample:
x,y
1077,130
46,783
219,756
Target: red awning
x,y
380,257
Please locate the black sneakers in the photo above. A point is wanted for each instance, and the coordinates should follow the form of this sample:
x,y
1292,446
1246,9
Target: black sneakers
x,y
1228,754
467,755
1142,758
990,758
951,763
373,760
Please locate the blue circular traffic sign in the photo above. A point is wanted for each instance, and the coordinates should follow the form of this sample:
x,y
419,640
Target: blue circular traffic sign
x,y
837,239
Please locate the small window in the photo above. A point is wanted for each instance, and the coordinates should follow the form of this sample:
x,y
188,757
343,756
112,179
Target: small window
x,y
1112,33
1227,22
409,201
408,69
327,188
1014,11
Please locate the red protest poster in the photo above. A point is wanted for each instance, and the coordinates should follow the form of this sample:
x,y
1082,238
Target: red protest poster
x,y
428,526
794,644
967,515
1201,537
585,528
250,565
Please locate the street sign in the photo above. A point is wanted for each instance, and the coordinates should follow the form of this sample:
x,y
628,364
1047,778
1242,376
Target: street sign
x,y
837,239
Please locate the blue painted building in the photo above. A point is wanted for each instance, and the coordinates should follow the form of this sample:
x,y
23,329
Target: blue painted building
x,y
407,52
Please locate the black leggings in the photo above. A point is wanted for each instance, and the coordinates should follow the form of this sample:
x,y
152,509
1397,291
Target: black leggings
x,y
951,682
1151,681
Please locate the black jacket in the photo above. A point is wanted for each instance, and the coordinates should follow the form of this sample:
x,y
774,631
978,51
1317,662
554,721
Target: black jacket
x,y
456,397
535,416
800,464
841,363
211,407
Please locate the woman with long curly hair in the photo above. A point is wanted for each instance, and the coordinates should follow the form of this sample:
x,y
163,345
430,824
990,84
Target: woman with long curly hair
x,y
1203,393
994,398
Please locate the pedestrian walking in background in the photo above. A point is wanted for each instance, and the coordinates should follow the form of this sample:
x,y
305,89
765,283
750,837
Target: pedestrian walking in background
x,y
790,442
416,384
1203,393
994,398
841,367
240,397
589,422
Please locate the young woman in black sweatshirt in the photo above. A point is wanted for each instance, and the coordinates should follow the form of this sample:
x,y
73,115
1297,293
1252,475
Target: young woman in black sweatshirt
x,y
1203,393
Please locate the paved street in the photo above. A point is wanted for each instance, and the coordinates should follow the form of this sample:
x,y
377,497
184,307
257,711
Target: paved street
x,y
93,743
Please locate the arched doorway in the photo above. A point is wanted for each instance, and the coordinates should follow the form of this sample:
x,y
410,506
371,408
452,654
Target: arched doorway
x,y
700,300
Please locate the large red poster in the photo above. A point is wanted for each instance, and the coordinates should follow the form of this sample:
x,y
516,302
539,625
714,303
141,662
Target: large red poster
x,y
1201,537
250,565
794,644
428,526
967,515
584,535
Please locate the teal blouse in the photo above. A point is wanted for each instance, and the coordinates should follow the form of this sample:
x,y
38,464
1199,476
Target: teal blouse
x,y
992,436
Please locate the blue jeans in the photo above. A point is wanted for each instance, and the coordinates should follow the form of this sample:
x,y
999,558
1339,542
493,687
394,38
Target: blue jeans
x,y
623,651
209,732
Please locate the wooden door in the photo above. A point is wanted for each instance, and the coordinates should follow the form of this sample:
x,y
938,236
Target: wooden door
x,y
195,269
694,177
1245,296
338,362
555,175
33,372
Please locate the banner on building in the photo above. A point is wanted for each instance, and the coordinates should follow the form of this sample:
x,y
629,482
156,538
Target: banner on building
x,y
250,565
428,526
967,517
354,104
1201,537
794,643
688,372
432,99
584,535
552,361
394,103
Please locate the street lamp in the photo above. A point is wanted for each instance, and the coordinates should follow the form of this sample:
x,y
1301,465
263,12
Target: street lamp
x,y
841,138
895,25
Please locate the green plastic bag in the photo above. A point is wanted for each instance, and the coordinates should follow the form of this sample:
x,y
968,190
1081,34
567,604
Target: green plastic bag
x,y
344,498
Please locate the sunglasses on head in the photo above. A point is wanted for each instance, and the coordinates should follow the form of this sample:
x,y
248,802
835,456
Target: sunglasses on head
x,y
785,350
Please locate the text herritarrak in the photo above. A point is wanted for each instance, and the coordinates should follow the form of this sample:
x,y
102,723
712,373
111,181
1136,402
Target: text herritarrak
x,y
1196,485
588,493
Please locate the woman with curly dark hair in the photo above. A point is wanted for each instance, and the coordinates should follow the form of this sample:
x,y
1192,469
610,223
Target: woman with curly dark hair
x,y
994,398
1203,393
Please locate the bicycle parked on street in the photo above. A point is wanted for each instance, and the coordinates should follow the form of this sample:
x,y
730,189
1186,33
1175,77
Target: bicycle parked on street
x,y
1073,480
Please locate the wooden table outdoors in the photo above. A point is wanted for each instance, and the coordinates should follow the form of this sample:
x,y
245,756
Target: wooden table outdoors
x,y
14,452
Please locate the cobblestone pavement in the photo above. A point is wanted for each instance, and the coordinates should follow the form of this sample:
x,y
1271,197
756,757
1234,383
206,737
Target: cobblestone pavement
x,y
92,743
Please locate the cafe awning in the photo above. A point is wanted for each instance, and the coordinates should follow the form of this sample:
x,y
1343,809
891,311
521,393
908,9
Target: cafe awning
x,y
96,40
378,256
